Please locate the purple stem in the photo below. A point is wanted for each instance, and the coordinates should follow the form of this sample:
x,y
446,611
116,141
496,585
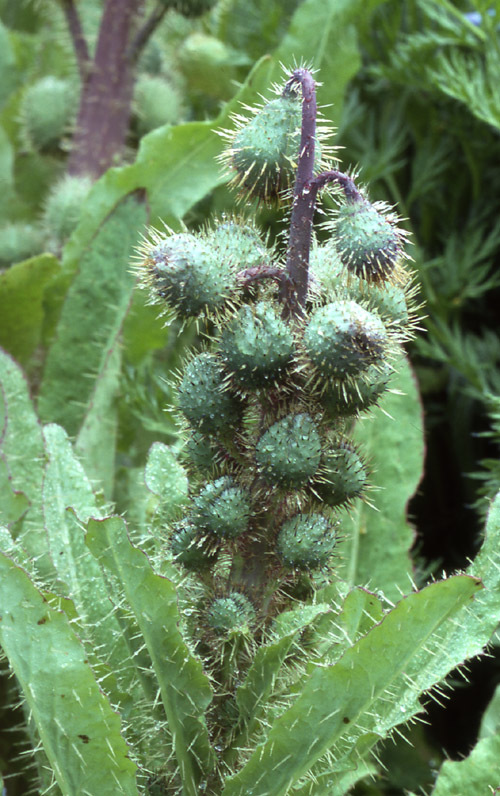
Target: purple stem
x,y
105,107
293,289
78,37
142,36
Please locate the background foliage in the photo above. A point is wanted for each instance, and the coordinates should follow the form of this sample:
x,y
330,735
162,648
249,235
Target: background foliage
x,y
413,88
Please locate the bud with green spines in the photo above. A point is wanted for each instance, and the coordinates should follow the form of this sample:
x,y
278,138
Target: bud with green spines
x,y
306,541
203,395
222,508
264,150
157,101
48,109
289,452
183,272
201,452
256,345
369,241
231,614
342,339
193,549
239,243
354,395
344,475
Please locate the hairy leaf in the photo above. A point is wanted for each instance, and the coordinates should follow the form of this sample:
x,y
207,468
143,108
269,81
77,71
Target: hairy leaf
x,y
185,690
376,550
361,697
79,731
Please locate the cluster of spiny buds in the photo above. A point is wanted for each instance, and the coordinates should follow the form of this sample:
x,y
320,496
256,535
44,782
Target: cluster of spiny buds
x,y
298,344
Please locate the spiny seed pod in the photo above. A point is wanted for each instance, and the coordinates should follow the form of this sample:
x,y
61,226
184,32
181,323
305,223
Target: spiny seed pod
x,y
264,150
203,395
182,271
387,300
342,339
354,395
306,541
201,452
192,548
223,508
63,207
208,65
156,102
289,452
344,475
47,109
369,241
232,613
256,345
238,243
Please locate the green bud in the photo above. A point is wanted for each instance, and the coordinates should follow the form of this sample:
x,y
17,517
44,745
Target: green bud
x,y
223,508
232,613
192,548
63,208
264,151
19,241
342,339
369,242
203,396
208,65
353,395
306,541
48,108
201,452
256,345
183,271
156,102
344,475
239,244
289,452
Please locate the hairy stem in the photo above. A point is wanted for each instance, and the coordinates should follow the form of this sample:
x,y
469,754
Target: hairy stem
x,y
293,289
105,106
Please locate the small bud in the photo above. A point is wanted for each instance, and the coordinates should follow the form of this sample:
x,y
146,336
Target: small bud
x,y
48,108
353,395
182,271
342,339
63,208
156,102
265,149
239,244
192,549
256,345
344,475
306,541
223,508
289,452
369,242
232,613
203,396
201,452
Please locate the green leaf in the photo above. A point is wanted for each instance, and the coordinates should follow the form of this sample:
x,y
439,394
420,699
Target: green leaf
x,y
477,774
21,447
13,504
373,684
79,731
166,478
185,690
68,503
376,550
81,373
22,291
